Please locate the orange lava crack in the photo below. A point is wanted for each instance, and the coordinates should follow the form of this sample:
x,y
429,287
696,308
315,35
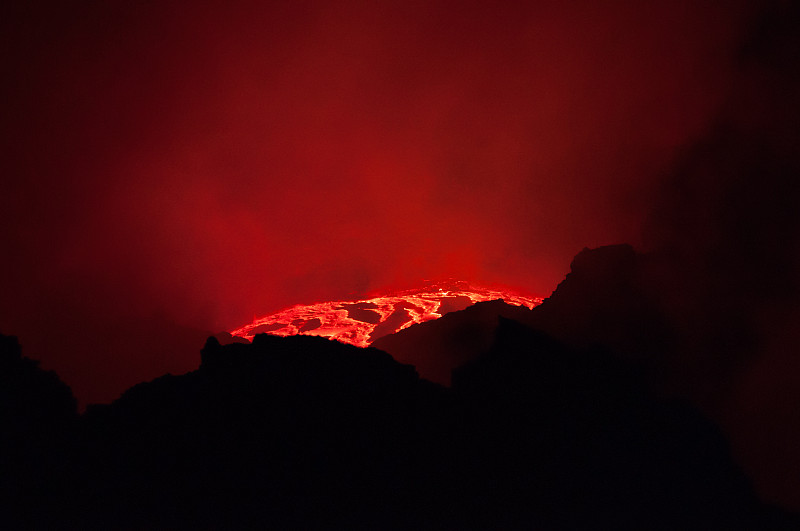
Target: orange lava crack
x,y
360,322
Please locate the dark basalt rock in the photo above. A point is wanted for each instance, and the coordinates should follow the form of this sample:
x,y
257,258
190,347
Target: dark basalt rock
x,y
436,347
555,427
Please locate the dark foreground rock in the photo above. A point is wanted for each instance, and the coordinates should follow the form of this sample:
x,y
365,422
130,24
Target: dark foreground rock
x,y
305,433
552,421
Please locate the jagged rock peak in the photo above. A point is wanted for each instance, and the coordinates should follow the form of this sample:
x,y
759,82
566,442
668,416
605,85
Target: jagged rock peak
x,y
604,264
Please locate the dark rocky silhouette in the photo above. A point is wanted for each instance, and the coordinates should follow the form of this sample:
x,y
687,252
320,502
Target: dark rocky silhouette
x,y
436,347
539,430
606,299
37,415
225,338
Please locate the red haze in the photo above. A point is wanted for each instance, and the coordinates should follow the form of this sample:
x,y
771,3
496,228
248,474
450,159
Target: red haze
x,y
172,170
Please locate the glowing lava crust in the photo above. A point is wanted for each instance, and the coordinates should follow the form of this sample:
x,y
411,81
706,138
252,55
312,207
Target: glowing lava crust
x,y
363,321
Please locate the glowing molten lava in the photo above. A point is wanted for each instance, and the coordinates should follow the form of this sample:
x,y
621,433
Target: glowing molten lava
x,y
363,321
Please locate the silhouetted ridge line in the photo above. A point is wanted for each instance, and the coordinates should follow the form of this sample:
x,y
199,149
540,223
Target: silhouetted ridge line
x,y
436,347
37,415
551,422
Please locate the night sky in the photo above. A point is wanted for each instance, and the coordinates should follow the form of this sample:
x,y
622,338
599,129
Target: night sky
x,y
171,169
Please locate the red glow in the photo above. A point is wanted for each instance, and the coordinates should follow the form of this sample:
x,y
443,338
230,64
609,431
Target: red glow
x,y
173,168
361,322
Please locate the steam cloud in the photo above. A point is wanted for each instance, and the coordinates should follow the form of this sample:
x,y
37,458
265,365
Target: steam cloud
x,y
181,168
